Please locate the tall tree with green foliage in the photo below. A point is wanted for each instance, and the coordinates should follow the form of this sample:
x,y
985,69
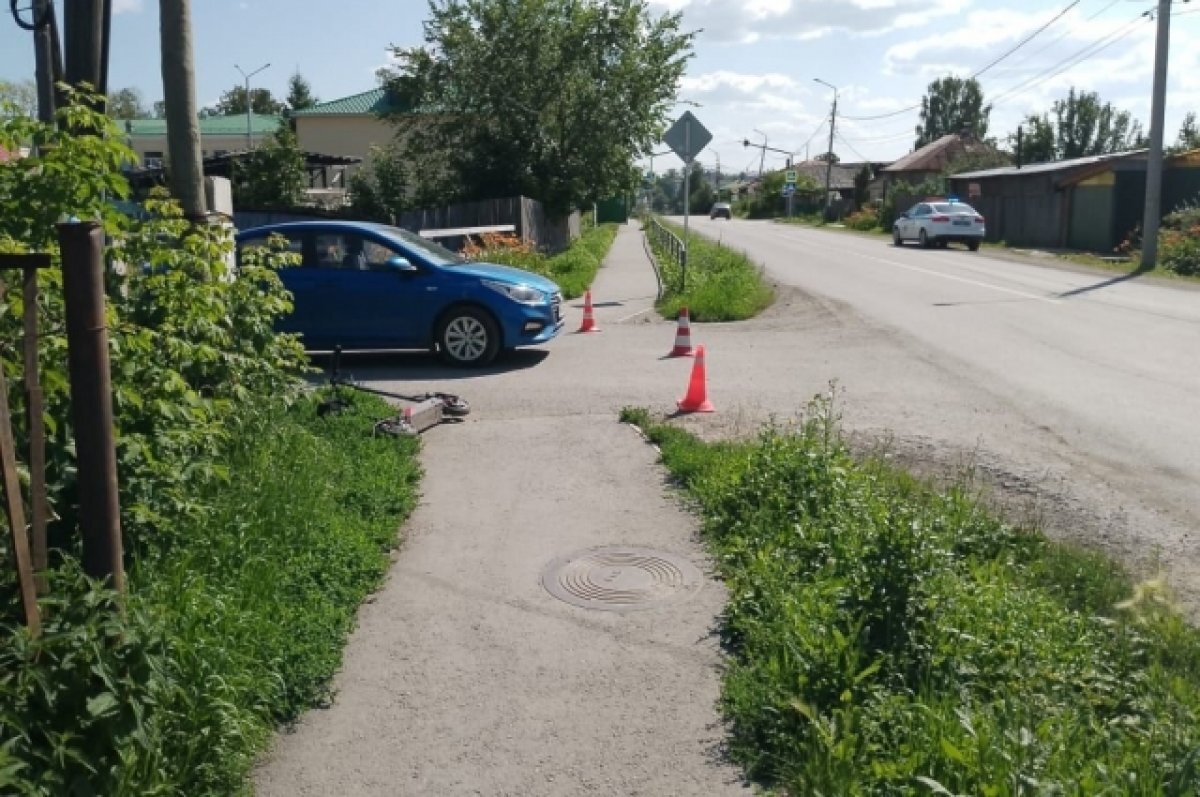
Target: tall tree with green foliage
x,y
551,99
952,105
1079,125
300,94
233,102
20,95
126,104
1189,134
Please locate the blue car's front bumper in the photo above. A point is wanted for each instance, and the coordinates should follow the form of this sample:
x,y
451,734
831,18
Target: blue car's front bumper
x,y
529,326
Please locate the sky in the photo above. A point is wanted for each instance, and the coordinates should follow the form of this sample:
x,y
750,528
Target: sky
x,y
754,66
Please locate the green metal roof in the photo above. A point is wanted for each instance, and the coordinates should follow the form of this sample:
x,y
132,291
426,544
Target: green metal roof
x,y
209,125
374,102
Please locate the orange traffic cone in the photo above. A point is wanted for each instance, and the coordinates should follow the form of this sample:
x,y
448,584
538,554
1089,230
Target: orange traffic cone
x,y
683,336
696,399
589,321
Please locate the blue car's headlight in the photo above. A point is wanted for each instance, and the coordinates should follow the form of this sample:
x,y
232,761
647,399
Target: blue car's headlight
x,y
518,293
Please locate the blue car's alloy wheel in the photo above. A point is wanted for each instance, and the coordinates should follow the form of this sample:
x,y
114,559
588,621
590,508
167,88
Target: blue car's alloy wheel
x,y
468,337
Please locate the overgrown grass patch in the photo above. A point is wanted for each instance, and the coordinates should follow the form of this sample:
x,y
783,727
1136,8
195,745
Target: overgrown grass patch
x,y
887,638
573,269
722,283
235,626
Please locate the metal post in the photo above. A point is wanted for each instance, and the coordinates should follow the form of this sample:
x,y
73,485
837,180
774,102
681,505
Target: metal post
x,y
84,41
687,202
48,66
1154,162
82,247
249,104
37,434
829,154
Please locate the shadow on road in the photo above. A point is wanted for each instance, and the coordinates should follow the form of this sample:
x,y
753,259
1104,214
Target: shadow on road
x,y
418,366
1101,285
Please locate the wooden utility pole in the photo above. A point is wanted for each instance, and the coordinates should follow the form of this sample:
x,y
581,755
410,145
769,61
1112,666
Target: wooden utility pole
x,y
1152,214
179,96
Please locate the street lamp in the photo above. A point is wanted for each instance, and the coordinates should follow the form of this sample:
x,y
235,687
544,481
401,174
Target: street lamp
x,y
829,152
249,140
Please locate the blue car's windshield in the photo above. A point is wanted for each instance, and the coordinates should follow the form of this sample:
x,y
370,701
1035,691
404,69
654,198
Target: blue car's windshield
x,y
433,252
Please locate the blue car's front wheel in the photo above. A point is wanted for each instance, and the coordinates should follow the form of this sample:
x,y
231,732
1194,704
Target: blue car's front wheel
x,y
468,336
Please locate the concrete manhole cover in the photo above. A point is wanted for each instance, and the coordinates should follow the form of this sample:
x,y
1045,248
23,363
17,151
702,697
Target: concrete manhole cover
x,y
619,577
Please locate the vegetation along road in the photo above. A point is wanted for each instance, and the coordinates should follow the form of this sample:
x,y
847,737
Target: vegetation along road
x,y
1058,376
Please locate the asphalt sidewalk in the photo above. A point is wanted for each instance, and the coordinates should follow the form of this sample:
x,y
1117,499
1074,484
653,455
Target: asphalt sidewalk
x,y
465,675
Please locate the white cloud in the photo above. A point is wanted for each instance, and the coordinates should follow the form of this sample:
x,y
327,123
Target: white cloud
x,y
126,6
729,22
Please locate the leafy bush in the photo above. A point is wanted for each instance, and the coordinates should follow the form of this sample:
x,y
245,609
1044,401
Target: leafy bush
x,y
251,532
1179,241
889,639
722,284
866,219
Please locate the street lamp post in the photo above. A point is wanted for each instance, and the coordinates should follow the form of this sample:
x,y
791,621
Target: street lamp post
x,y
763,157
249,140
829,152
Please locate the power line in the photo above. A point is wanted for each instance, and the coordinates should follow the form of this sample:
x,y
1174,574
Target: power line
x,y
1092,50
842,139
1062,36
1026,40
977,73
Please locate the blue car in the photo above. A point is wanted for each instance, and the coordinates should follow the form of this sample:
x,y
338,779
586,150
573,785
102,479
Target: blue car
x,y
371,286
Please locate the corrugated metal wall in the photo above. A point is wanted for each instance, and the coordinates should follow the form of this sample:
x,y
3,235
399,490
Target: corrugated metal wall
x,y
1091,218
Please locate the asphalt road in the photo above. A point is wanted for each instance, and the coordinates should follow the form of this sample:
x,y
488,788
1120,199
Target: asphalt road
x,y
1108,364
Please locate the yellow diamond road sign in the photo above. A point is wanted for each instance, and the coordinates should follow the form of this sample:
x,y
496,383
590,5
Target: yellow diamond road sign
x,y
687,137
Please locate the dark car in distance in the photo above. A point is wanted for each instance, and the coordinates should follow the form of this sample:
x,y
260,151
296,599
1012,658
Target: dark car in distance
x,y
721,210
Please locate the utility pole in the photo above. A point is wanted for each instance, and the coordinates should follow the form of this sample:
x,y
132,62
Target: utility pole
x,y
762,159
179,96
718,177
249,104
829,152
1154,162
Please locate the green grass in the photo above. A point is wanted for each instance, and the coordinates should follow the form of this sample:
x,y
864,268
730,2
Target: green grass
x,y
722,284
235,627
889,639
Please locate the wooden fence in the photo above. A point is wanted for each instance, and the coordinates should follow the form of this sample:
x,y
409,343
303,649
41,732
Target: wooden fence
x,y
527,215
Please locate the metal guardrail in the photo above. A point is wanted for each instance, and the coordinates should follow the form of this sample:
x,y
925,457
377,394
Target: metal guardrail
x,y
664,239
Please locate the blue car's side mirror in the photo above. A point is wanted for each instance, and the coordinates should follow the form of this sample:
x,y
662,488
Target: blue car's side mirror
x,y
399,263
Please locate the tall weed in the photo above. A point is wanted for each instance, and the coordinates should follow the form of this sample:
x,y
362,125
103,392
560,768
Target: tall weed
x,y
722,284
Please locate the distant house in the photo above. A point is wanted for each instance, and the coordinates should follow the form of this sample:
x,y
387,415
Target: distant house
x,y
841,176
930,160
1088,203
219,135
348,126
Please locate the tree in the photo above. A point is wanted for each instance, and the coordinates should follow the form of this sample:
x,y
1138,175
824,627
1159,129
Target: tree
x,y
273,175
20,94
1189,134
1079,125
700,198
580,91
952,105
1037,144
299,93
160,109
126,104
862,185
382,190
1084,126
179,91
233,102
828,157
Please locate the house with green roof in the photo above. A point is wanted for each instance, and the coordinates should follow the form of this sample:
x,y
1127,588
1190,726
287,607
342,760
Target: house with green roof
x,y
219,135
347,126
